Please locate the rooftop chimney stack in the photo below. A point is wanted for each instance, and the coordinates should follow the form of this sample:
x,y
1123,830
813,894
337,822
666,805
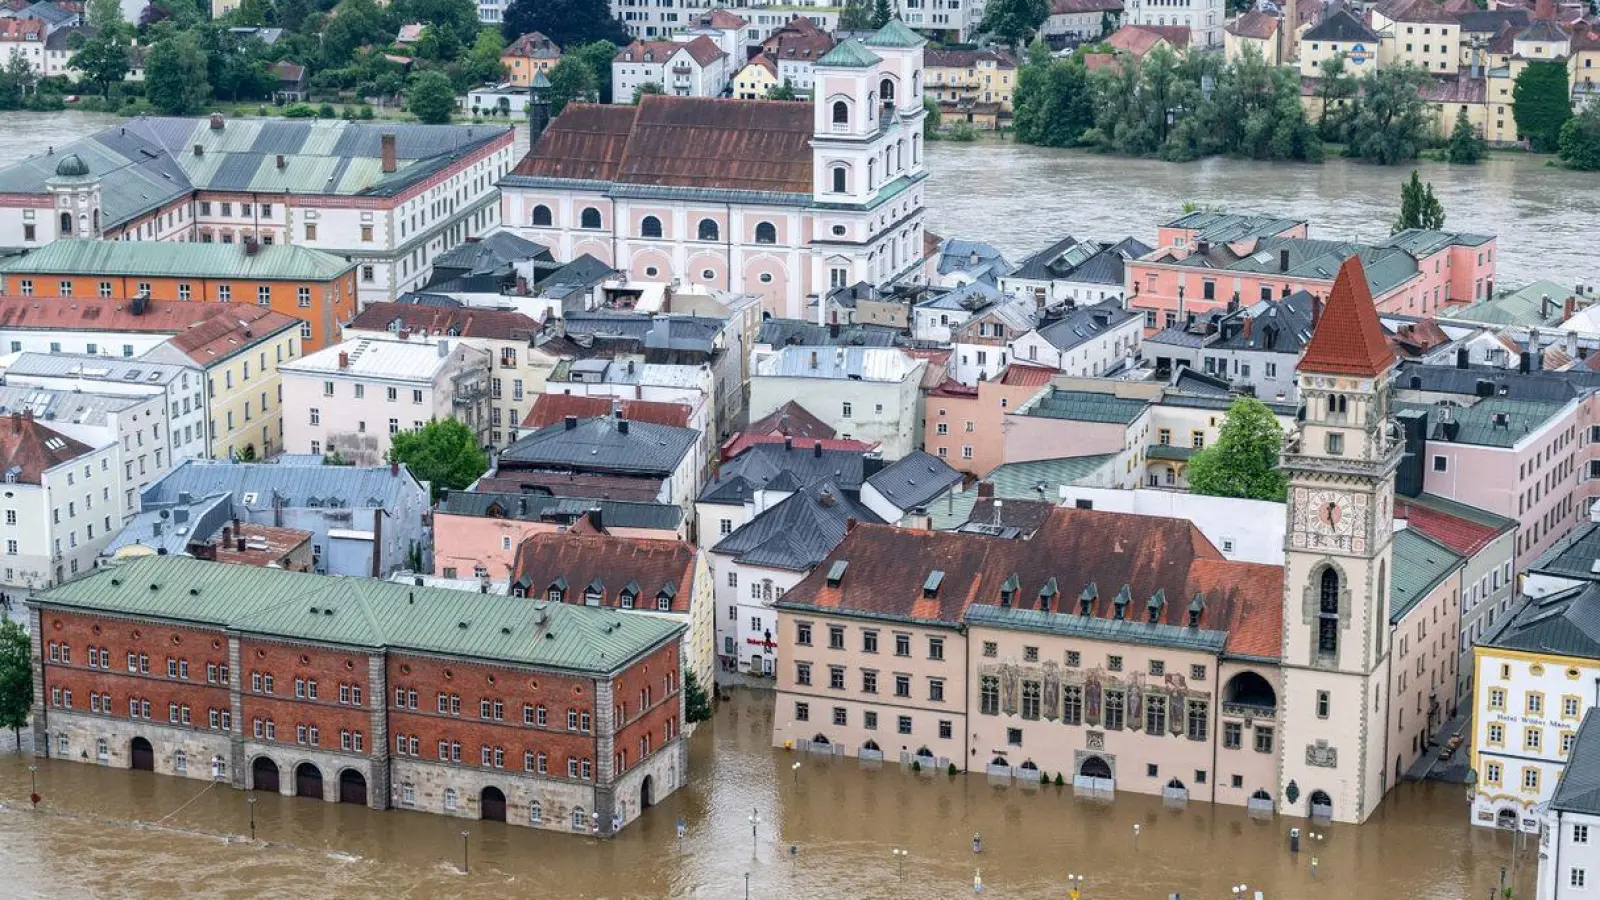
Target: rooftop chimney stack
x,y
1283,260
571,423
344,360
390,160
216,121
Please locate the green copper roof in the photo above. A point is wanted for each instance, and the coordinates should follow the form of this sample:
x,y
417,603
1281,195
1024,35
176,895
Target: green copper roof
x,y
1419,565
156,259
364,612
895,34
1016,481
849,55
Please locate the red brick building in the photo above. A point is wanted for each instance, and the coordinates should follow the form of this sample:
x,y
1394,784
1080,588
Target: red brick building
x,y
350,690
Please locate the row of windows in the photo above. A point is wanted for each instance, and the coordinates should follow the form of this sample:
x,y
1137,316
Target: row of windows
x,y
869,681
452,802
651,227
869,641
1533,702
1113,708
869,720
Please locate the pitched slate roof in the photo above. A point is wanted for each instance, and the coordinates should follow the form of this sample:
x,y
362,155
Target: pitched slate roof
x,y
1087,406
1420,564
531,507
1573,556
1085,323
368,613
1464,529
758,466
28,448
683,142
799,532
1490,422
254,485
609,566
914,479
1341,26
1282,326
1579,788
888,569
1565,623
1349,339
793,420
603,445
535,483
1223,227
170,528
271,262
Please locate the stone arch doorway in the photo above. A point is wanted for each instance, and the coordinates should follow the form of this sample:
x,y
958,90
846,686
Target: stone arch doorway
x,y
821,739
492,804
1506,818
352,787
264,775
871,745
143,755
1321,805
1095,767
647,792
308,781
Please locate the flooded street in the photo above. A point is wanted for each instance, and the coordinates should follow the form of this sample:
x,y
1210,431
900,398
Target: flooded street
x,y
842,821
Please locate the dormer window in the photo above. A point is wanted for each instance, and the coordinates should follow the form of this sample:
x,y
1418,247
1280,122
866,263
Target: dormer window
x,y
1154,607
930,587
1008,591
663,602
1120,604
1196,607
557,591
594,593
554,595
1087,599
836,572
1047,594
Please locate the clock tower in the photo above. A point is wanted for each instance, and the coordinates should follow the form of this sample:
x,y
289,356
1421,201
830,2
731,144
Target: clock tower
x,y
1337,565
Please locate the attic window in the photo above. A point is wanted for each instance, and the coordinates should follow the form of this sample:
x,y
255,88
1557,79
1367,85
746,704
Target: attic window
x,y
1121,603
1087,598
664,601
836,572
1196,607
930,588
1047,594
1008,590
1154,607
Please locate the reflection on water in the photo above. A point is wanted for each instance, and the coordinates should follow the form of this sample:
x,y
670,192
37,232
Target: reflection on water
x,y
841,821
1023,198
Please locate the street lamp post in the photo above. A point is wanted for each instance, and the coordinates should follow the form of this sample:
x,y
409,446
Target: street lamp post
x,y
755,820
33,772
1074,886
796,770
900,857
1136,830
251,802
464,835
747,886
1316,837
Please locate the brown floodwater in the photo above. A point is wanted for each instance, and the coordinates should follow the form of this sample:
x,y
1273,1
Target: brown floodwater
x,y
826,831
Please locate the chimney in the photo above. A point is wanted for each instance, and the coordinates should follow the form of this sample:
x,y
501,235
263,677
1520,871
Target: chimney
x,y
1316,311
282,163
216,121
1527,362
1462,357
571,423
849,524
813,359
251,246
199,150
16,423
344,360
236,525
816,449
239,543
1283,260
622,426
227,535
833,329
788,443
394,468
389,162
985,490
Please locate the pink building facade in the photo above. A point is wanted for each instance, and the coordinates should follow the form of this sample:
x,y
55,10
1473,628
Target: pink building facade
x,y
966,426
782,199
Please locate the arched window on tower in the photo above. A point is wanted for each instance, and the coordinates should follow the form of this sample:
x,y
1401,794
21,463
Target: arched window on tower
x,y
1328,613
841,112
541,215
650,227
840,180
766,233
886,88
1338,405
708,230
66,224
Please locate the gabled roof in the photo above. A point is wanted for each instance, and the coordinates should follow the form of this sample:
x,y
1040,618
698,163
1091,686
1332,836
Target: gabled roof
x,y
645,569
492,253
914,479
603,445
170,528
723,19
28,449
553,409
255,486
1419,565
585,486
761,464
1340,25
1139,40
792,420
1256,25
1565,623
1579,788
236,329
1349,339
533,45
798,332
1464,529
432,321
1573,556
369,613
270,262
531,507
798,533
1085,323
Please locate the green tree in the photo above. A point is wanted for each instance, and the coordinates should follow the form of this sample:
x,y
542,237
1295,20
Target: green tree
x,y
483,65
1054,102
1542,103
16,678
931,116
257,13
855,16
1580,140
1418,207
572,81
103,60
567,22
17,81
1244,460
1336,87
783,91
431,97
444,453
175,78
455,20
697,704
648,87
1390,123
1014,21
881,14
353,25
597,56
105,15
1466,147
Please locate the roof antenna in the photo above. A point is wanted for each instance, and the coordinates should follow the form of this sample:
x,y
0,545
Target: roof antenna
x,y
997,512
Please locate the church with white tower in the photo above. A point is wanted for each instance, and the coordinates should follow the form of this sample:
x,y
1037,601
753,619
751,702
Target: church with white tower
x,y
785,199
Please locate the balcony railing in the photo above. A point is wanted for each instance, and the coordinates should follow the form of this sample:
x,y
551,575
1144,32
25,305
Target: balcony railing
x,y
1249,710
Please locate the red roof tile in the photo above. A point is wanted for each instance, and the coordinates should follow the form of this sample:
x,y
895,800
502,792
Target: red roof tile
x,y
793,420
548,409
702,50
744,440
1348,339
616,563
28,449
1461,535
723,19
533,45
889,566
427,321
1257,25
799,41
586,141
1026,375
236,327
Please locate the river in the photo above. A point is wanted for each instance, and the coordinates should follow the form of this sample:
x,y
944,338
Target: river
x,y
1023,198
826,831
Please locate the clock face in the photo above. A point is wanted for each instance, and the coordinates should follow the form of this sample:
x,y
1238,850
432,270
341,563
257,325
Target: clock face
x,y
1330,513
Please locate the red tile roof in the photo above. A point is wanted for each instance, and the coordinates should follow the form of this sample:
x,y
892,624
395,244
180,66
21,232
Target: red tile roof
x,y
888,567
723,19
1348,339
699,142
203,331
1460,534
264,545
793,420
702,50
1257,25
1415,338
1137,40
21,30
427,321
236,327
548,409
744,440
1026,375
798,41
28,449
965,59
533,45
616,563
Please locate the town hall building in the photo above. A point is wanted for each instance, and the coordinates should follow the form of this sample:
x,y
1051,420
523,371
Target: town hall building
x,y
783,199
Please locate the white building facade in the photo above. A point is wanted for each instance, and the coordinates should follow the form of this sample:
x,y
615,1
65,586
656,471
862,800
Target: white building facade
x,y
870,394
